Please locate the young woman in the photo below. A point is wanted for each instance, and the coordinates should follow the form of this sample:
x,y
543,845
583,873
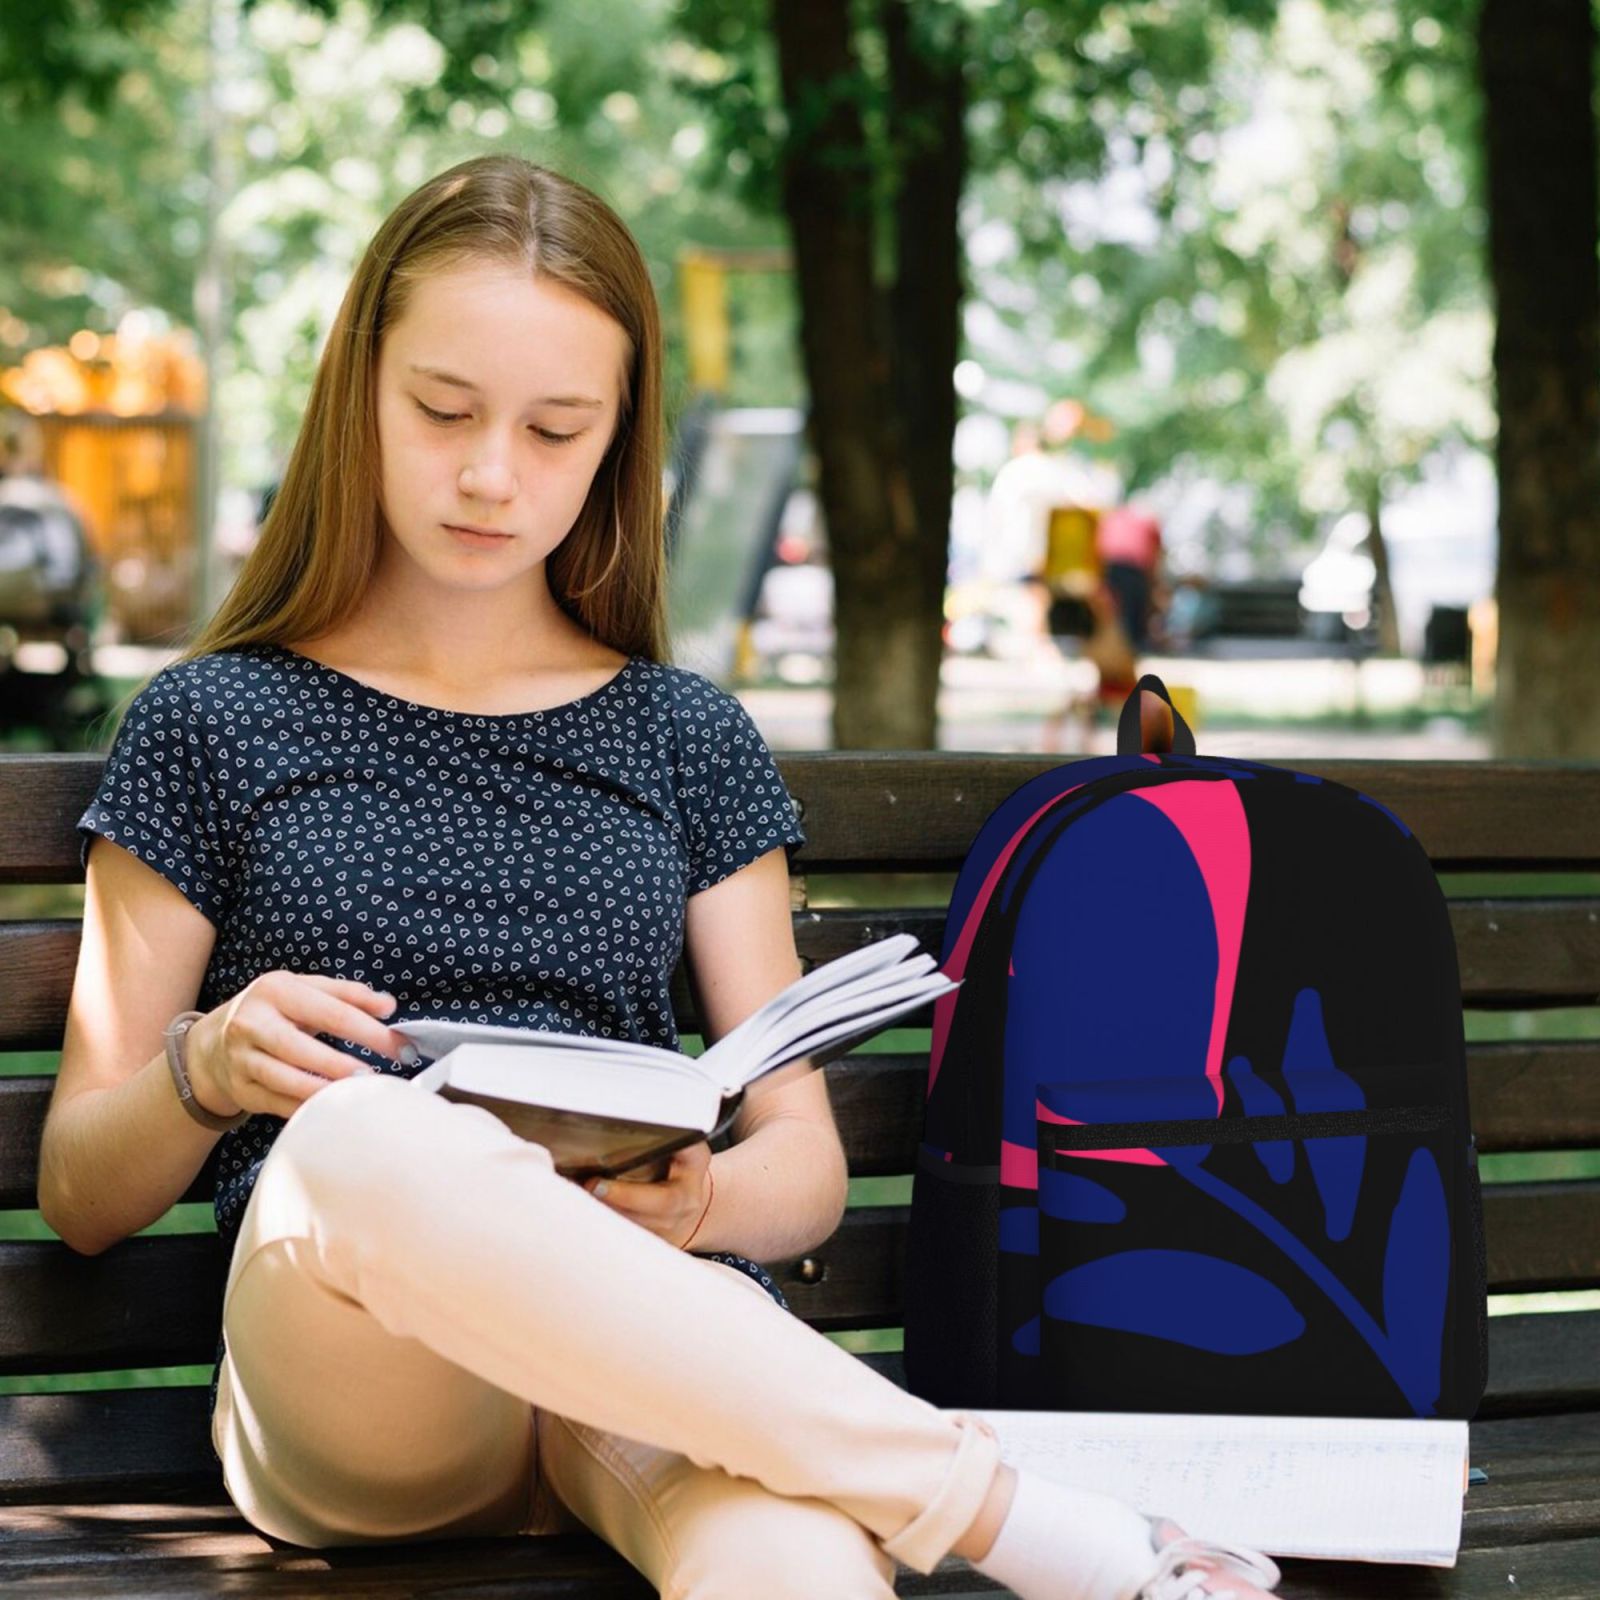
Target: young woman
x,y
429,758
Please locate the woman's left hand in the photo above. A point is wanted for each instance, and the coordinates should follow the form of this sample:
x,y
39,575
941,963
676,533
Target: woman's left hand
x,y
671,1207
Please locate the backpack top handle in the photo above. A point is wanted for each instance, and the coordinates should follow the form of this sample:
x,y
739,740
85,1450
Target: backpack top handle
x,y
1145,729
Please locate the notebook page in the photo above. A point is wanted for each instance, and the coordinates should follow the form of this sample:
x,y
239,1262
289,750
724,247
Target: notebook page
x,y
1338,1488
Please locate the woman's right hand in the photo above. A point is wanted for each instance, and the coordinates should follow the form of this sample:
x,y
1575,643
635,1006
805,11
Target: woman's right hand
x,y
257,1051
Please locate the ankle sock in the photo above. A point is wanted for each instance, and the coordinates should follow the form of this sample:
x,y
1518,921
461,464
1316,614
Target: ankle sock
x,y
1062,1543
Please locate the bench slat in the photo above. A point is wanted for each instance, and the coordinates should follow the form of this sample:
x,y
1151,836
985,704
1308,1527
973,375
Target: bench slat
x,y
1539,1362
180,1547
1538,1519
889,810
146,1302
155,1300
132,1441
588,1571
1512,953
1540,1095
1561,1570
1539,1235
1525,1095
1556,1572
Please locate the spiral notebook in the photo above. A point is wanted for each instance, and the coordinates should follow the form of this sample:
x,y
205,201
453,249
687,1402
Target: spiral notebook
x,y
1388,1489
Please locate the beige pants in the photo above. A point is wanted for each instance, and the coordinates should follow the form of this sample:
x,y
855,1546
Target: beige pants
x,y
430,1334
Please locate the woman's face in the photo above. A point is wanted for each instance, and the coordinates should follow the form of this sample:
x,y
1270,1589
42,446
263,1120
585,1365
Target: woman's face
x,y
516,451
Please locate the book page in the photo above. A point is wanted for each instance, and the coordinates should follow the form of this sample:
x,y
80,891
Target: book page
x,y
814,1026
726,1065
1337,1488
436,1037
821,979
557,1080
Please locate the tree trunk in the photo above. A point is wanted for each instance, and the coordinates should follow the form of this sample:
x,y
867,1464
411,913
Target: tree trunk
x,y
881,691
1536,60
927,129
1384,614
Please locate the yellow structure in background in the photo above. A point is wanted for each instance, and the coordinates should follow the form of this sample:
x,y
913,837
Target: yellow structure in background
x,y
132,374
116,420
703,294
1071,562
708,340
703,289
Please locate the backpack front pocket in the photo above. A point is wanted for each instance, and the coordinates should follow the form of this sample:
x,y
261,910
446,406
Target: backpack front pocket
x,y
1272,1243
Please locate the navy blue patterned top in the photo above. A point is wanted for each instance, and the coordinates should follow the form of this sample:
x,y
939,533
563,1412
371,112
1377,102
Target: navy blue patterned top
x,y
528,870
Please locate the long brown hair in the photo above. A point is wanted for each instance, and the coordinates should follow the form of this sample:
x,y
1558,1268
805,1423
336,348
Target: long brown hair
x,y
318,546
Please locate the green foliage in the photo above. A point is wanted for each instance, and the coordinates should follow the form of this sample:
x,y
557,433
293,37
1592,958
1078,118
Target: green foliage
x,y
100,210
1290,297
334,112
1269,323
48,47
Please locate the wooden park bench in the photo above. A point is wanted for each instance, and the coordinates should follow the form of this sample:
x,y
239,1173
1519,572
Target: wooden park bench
x,y
117,1492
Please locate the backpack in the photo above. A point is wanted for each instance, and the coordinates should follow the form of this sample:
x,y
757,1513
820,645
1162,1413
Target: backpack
x,y
1196,1135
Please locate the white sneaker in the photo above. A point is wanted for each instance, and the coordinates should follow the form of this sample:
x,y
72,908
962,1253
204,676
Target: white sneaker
x,y
1197,1567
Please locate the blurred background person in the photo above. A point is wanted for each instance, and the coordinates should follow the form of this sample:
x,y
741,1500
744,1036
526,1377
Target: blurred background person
x,y
1128,542
1040,521
1106,646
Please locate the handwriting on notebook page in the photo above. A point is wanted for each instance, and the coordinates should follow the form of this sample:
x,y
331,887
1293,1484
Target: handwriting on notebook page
x,y
1344,1488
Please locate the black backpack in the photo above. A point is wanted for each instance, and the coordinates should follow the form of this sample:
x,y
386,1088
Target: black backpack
x,y
1197,1135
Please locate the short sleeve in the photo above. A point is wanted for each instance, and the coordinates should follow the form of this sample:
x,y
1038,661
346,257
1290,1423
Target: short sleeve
x,y
738,805
157,796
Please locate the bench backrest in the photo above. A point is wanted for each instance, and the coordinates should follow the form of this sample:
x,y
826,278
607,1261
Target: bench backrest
x,y
154,1301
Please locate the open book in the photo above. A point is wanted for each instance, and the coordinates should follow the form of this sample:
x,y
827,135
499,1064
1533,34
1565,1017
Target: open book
x,y
1323,1488
607,1106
